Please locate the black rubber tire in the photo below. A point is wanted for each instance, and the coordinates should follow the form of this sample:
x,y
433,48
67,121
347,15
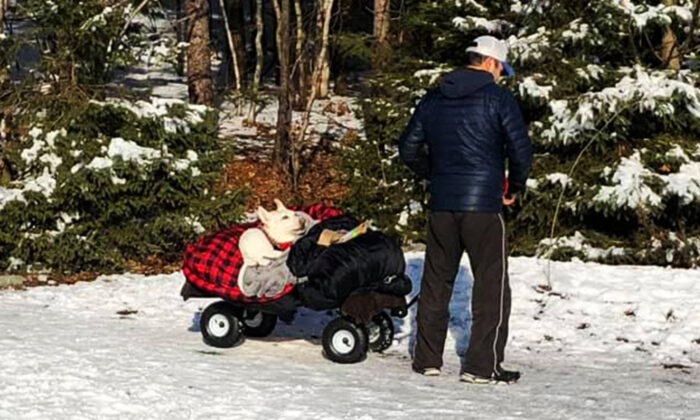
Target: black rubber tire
x,y
344,341
380,332
220,326
257,324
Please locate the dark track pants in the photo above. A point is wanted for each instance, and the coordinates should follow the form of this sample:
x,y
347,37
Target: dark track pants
x,y
482,236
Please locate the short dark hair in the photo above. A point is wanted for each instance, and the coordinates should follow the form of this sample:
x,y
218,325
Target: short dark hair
x,y
474,58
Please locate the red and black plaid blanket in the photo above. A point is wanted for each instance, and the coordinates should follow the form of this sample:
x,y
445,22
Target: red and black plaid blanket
x,y
213,263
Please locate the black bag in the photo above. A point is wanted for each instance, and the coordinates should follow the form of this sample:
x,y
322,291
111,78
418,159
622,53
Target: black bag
x,y
306,249
372,261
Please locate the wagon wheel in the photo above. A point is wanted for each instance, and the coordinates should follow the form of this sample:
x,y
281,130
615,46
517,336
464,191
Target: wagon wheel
x,y
380,332
220,326
344,341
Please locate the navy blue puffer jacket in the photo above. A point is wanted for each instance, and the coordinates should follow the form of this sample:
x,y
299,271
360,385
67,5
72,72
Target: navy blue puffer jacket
x,y
459,138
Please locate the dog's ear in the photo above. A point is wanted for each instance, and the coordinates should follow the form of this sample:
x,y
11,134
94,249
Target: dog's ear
x,y
263,215
280,205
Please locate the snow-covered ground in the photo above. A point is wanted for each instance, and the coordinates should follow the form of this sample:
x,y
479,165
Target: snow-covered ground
x,y
128,347
330,120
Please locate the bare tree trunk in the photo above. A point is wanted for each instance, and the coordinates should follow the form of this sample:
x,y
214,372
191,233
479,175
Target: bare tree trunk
x,y
284,146
300,66
238,30
381,33
199,79
669,46
258,57
324,80
381,21
325,11
181,29
322,64
234,55
3,6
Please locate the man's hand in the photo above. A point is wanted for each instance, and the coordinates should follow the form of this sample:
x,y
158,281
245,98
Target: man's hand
x,y
508,200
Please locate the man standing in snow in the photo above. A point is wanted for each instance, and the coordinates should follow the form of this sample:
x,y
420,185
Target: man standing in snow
x,y
459,138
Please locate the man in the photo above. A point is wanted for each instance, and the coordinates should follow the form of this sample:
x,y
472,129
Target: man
x,y
459,138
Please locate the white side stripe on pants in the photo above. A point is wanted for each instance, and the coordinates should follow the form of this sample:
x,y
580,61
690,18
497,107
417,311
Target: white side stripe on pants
x,y
503,286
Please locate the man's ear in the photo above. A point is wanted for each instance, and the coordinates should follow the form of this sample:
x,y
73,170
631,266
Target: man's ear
x,y
263,215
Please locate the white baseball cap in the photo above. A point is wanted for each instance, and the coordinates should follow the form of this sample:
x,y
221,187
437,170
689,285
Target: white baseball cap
x,y
489,46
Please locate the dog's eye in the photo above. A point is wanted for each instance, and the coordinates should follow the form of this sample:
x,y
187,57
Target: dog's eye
x,y
285,217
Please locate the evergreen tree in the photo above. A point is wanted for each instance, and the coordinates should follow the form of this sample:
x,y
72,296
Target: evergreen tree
x,y
98,180
615,126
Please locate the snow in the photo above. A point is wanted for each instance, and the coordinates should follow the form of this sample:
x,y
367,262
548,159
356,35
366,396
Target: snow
x,y
51,136
64,220
35,132
591,71
101,18
558,178
597,352
677,152
331,119
194,222
652,91
10,194
578,242
524,48
472,3
577,31
129,151
530,7
412,208
40,149
630,189
96,163
474,22
29,155
44,184
649,89
156,107
685,183
432,74
643,14
532,184
52,160
15,263
528,87
631,182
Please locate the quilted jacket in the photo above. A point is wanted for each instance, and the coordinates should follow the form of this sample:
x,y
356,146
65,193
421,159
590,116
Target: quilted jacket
x,y
459,138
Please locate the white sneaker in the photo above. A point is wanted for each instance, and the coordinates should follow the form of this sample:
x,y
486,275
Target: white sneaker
x,y
431,372
503,377
474,379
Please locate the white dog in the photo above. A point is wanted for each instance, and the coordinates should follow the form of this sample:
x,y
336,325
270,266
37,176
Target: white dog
x,y
278,226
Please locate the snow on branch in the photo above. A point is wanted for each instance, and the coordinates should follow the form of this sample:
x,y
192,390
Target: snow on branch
x,y
630,189
645,91
528,87
530,47
643,14
470,23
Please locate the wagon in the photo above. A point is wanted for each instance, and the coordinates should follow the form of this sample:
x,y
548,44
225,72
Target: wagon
x,y
345,339
364,307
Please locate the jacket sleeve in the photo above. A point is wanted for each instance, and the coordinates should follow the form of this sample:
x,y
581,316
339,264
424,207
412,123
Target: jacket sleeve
x,y
412,144
517,143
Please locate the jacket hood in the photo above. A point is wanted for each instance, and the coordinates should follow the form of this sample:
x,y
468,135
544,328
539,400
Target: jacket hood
x,y
464,82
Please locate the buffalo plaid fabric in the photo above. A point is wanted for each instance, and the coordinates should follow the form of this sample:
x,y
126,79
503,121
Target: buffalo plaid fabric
x,y
213,263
